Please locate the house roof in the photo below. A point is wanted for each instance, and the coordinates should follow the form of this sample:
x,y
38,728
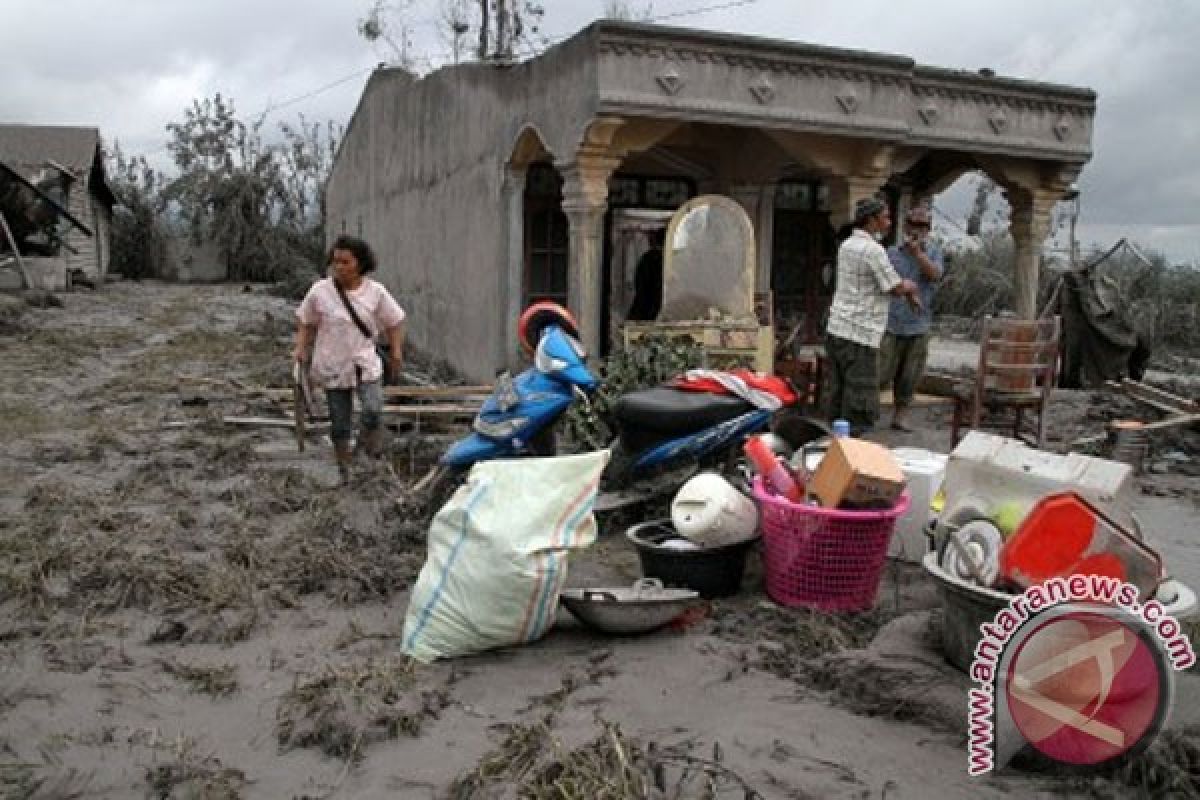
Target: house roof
x,y
26,146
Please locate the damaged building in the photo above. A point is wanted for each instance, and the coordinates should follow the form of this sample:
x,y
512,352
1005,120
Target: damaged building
x,y
485,186
57,207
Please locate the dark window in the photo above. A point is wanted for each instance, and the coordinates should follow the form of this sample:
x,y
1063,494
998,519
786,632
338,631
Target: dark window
x,y
624,192
545,236
634,191
667,192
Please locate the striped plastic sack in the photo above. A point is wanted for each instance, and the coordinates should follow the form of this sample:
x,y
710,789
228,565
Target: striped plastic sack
x,y
497,555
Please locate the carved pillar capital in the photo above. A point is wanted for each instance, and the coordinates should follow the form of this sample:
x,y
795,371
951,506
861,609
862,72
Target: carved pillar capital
x,y
1029,224
585,181
585,201
845,191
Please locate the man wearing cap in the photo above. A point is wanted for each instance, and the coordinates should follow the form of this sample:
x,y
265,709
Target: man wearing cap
x,y
858,316
906,344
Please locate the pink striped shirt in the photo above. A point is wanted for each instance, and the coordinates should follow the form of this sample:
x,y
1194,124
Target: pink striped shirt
x,y
340,346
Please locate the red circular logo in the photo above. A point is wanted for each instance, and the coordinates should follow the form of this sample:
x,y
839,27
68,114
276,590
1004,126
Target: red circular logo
x,y
1085,687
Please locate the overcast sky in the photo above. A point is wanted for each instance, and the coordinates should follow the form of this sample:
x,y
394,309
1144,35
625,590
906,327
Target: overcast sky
x,y
130,66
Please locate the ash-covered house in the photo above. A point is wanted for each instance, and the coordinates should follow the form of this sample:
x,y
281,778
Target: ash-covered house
x,y
68,165
484,186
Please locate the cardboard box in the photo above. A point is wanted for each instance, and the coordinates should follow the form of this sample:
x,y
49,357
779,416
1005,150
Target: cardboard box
x,y
857,474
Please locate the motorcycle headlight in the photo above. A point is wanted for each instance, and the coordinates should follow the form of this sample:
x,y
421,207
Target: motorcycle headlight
x,y
499,430
548,364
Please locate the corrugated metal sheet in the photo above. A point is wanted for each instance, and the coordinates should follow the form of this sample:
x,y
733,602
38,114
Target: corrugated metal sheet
x,y
30,146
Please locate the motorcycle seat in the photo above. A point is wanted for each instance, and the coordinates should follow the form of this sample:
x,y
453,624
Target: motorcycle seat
x,y
674,411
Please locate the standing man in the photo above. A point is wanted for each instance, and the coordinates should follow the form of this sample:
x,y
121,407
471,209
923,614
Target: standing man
x,y
906,343
858,316
648,280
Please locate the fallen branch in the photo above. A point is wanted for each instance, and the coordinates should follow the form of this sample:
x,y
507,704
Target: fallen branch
x,y
1169,422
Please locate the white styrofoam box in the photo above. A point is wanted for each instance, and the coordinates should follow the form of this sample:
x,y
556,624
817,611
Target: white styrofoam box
x,y
924,470
989,471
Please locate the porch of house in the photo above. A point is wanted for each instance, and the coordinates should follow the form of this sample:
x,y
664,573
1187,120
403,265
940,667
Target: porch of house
x,y
584,221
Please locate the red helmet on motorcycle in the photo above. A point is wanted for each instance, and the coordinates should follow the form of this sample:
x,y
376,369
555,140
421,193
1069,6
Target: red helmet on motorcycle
x,y
537,317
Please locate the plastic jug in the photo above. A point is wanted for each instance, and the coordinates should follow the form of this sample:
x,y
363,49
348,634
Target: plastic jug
x,y
1065,535
709,511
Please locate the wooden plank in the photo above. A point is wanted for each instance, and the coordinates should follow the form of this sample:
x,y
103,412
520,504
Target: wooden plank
x,y
1169,422
432,410
436,391
400,392
1159,398
262,422
920,400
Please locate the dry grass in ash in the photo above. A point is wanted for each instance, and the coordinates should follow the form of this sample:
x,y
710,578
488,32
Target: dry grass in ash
x,y
215,680
795,635
1170,767
512,760
346,708
613,766
77,549
190,775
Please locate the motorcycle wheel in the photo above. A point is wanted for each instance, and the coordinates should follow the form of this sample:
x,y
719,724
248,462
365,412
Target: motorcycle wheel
x,y
618,474
543,443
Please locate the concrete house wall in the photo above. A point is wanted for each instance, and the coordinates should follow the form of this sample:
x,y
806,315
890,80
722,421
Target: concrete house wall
x,y
420,176
432,171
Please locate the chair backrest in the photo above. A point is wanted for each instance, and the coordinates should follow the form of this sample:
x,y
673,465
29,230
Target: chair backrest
x,y
1018,355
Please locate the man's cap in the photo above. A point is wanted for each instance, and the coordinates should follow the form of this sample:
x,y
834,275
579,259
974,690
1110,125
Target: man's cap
x,y
867,207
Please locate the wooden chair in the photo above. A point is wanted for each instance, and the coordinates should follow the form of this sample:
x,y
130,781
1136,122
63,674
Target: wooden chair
x,y
1018,363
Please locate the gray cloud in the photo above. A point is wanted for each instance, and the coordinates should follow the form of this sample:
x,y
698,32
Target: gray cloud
x,y
131,66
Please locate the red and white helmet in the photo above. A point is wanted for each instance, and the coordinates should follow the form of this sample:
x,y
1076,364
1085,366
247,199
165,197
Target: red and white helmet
x,y
537,317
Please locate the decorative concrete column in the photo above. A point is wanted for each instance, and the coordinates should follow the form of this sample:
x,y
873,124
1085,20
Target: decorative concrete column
x,y
511,275
1029,225
765,232
585,200
845,191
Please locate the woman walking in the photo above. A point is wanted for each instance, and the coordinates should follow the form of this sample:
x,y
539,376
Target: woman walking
x,y
339,320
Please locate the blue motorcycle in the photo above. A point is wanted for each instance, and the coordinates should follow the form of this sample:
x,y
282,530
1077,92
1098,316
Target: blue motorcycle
x,y
518,417
659,429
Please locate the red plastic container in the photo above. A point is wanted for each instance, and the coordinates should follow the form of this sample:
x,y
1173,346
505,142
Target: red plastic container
x,y
771,470
824,558
1064,534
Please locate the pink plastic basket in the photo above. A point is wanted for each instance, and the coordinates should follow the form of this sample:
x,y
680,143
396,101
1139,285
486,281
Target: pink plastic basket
x,y
823,558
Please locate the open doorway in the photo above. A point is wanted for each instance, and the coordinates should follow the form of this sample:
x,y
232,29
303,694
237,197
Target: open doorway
x,y
639,207
803,250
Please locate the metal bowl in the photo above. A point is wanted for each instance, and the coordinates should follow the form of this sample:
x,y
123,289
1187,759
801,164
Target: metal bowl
x,y
643,607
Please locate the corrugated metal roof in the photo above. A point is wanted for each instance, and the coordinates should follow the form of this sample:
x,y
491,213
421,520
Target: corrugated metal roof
x,y
30,146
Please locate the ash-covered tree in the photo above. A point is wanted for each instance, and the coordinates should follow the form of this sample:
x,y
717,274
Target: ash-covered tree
x,y
260,203
139,232
498,28
628,10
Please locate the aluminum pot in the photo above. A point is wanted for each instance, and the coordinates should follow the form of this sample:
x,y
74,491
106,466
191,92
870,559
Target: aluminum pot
x,y
625,610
